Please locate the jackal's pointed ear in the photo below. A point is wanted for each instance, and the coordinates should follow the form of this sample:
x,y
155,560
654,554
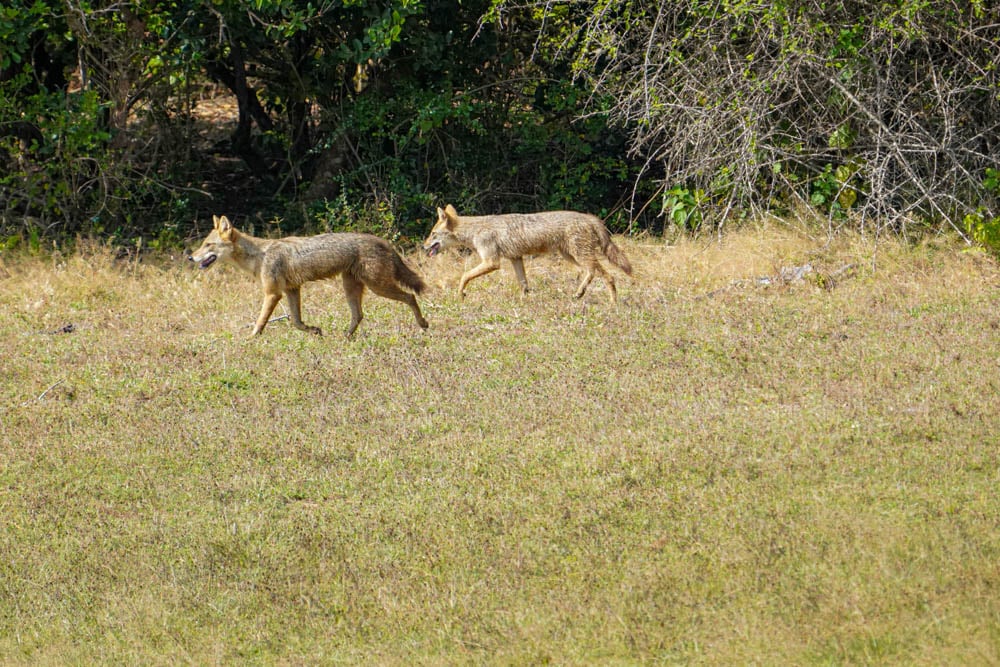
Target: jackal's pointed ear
x,y
442,219
215,222
449,215
226,229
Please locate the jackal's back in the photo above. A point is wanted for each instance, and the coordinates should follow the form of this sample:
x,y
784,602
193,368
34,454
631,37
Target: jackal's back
x,y
298,260
519,234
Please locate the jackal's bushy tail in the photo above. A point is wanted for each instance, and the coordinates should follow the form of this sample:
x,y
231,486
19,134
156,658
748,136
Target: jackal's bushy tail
x,y
407,277
617,257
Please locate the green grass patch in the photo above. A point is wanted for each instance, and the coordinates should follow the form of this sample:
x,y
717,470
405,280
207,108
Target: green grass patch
x,y
720,470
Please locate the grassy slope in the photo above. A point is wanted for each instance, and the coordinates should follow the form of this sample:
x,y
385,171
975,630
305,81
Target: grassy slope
x,y
713,472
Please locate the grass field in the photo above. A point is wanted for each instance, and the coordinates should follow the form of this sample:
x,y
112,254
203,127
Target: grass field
x,y
719,471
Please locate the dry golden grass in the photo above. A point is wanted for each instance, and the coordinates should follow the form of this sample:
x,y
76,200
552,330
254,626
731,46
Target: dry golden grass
x,y
717,471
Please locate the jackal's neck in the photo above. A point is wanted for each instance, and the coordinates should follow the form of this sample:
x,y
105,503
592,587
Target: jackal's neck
x,y
466,229
248,253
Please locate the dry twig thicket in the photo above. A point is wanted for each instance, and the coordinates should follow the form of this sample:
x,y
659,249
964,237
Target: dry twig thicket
x,y
878,112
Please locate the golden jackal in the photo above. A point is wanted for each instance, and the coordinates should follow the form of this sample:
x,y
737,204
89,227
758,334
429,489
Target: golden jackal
x,y
579,237
283,265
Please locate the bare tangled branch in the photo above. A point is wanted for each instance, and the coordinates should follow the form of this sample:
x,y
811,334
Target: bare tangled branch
x,y
881,112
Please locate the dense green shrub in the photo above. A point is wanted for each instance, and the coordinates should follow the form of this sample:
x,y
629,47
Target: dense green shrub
x,y
371,113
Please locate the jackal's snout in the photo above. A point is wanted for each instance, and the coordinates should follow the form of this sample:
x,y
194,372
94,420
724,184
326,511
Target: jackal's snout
x,y
203,261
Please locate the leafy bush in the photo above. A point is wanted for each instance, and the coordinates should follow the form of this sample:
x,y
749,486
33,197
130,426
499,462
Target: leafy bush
x,y
62,175
982,227
493,105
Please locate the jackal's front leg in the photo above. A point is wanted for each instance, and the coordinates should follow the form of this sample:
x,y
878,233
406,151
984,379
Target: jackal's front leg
x,y
266,308
486,266
518,264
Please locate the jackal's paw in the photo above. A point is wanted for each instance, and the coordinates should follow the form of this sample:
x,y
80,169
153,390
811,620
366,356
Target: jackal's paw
x,y
316,331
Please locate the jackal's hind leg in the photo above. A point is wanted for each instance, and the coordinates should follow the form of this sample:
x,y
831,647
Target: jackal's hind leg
x,y
354,289
588,275
592,269
295,312
486,266
392,292
612,290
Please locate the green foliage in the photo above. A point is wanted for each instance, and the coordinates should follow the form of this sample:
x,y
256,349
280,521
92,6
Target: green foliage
x,y
18,22
424,145
62,177
681,207
493,105
583,163
370,217
832,191
982,227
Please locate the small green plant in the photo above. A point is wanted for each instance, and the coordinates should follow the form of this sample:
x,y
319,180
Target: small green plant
x,y
681,206
983,228
344,215
832,191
